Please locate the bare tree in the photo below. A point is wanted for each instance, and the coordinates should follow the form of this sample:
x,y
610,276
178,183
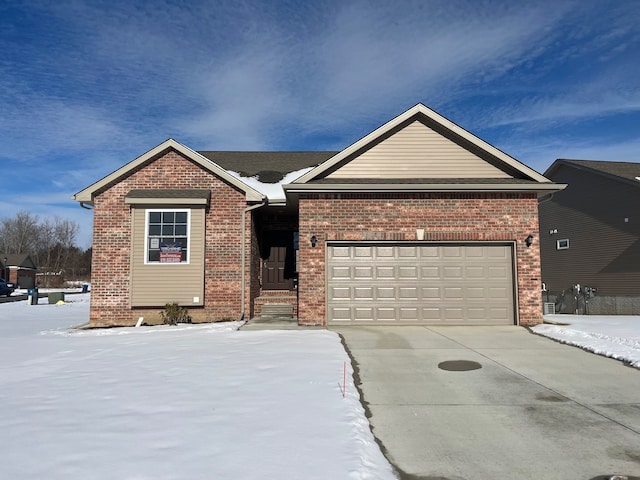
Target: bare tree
x,y
19,234
50,243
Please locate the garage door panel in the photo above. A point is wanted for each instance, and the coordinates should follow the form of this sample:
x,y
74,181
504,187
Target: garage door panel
x,y
363,293
337,272
429,252
385,293
430,272
431,313
452,272
420,284
407,273
363,313
385,272
430,293
363,272
453,293
407,252
408,314
340,293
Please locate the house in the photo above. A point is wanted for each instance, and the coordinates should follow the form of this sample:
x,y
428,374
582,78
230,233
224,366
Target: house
x,y
590,236
419,222
18,269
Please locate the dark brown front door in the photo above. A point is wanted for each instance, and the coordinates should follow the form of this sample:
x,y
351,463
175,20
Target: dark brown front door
x,y
273,270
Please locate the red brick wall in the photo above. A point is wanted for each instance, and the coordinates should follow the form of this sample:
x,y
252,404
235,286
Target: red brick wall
x,y
444,216
112,242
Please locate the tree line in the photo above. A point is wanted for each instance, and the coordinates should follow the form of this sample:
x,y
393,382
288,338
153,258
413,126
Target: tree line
x,y
51,244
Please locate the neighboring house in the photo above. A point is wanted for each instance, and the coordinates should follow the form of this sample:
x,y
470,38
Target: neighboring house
x,y
419,222
18,269
590,234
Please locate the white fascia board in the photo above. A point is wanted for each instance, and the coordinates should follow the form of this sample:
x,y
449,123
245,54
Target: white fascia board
x,y
435,188
86,195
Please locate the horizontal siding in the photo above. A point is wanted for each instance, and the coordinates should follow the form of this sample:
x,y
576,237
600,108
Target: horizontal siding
x,y
157,284
590,213
418,152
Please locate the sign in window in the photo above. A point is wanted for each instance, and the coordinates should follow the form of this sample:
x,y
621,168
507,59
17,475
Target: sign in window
x,y
167,236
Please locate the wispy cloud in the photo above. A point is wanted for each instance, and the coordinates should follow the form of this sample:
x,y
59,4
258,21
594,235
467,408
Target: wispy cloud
x,y
88,86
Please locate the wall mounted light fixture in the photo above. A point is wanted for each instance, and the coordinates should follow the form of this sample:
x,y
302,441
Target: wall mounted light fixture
x,y
314,240
528,241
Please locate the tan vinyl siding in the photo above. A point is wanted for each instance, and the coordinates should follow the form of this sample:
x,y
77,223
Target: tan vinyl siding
x,y
417,151
154,285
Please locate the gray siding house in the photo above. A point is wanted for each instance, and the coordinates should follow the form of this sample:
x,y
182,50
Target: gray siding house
x,y
590,236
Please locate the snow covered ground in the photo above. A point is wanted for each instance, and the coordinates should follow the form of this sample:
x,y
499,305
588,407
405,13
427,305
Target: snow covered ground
x,y
183,402
614,336
198,401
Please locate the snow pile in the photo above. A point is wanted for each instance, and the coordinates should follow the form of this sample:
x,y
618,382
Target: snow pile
x,y
273,191
184,402
614,336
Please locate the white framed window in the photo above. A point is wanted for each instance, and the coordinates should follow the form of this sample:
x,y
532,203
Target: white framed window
x,y
562,244
167,236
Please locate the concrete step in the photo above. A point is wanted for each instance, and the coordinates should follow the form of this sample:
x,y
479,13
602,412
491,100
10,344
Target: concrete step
x,y
277,310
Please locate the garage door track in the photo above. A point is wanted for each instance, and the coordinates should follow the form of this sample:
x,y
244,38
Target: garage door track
x,y
495,402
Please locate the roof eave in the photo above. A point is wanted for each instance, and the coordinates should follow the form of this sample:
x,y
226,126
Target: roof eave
x,y
87,195
421,109
540,188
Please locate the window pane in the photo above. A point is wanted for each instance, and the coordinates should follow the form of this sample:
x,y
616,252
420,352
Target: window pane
x,y
167,230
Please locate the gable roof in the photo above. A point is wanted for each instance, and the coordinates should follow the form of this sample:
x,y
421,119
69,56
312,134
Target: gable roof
x,y
87,195
269,167
627,172
17,260
509,173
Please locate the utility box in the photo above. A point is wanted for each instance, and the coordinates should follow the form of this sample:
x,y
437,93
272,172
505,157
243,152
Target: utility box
x,y
32,296
548,308
55,297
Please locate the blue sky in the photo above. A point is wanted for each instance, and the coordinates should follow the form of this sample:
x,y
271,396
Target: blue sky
x,y
87,86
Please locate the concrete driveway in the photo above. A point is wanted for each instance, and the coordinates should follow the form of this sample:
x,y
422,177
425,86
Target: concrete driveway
x,y
535,409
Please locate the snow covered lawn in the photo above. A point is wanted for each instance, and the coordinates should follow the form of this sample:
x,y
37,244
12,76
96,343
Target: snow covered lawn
x,y
184,402
614,336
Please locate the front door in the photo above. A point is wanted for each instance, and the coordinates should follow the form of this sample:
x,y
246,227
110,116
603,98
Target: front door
x,y
274,271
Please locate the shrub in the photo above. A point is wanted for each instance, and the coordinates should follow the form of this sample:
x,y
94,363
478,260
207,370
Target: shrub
x,y
174,314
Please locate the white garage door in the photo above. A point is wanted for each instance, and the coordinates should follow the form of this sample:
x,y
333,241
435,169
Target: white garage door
x,y
429,284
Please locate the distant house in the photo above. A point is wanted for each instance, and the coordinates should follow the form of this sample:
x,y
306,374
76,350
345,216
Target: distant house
x,y
420,222
590,234
18,269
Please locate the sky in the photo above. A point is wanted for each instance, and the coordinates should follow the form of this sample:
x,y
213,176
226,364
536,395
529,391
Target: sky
x,y
87,86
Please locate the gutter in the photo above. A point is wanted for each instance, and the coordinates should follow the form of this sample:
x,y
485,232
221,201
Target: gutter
x,y
243,246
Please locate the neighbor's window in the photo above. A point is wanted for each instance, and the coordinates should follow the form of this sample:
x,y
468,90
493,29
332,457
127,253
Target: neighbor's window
x,y
562,244
167,236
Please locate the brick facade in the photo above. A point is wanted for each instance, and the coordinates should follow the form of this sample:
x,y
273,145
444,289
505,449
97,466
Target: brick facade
x,y
111,282
444,216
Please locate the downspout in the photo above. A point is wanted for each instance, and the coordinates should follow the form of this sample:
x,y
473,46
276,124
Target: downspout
x,y
244,254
